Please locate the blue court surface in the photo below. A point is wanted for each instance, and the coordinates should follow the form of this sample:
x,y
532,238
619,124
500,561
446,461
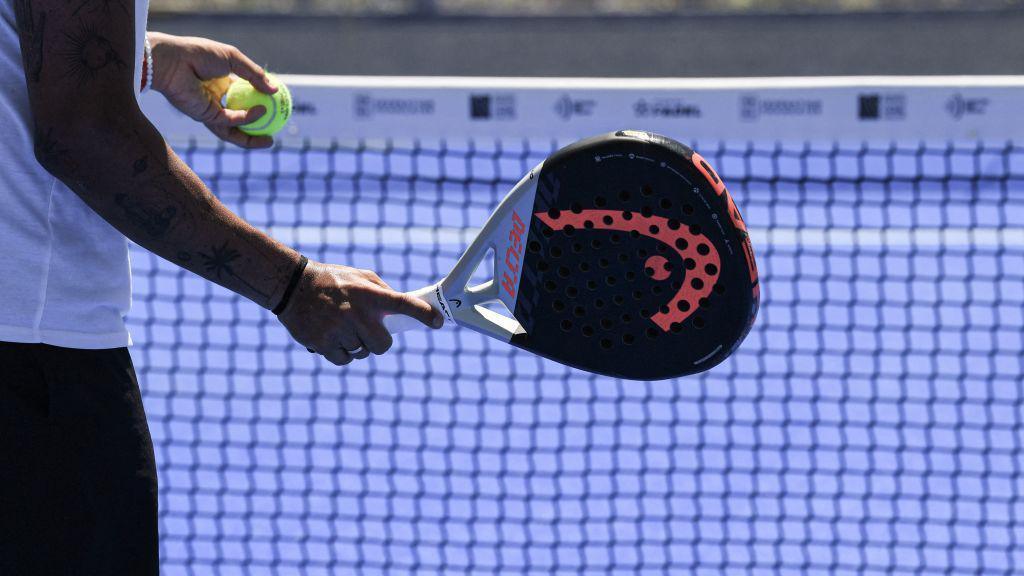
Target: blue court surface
x,y
871,422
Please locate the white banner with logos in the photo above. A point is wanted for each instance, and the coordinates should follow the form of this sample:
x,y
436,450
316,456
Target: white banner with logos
x,y
744,109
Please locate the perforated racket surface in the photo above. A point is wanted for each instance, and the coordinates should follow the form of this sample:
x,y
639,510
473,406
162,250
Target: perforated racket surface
x,y
621,254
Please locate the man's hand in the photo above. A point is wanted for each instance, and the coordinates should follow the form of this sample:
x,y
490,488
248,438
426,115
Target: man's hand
x,y
193,74
336,308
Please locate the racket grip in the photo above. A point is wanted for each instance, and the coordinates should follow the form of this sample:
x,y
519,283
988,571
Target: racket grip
x,y
395,323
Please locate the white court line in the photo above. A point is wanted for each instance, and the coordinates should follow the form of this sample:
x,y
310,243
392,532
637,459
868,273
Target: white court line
x,y
779,236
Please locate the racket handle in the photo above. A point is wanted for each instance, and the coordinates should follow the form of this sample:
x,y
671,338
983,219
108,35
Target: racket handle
x,y
395,323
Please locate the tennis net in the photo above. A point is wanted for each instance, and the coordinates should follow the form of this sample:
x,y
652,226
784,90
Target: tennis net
x,y
871,422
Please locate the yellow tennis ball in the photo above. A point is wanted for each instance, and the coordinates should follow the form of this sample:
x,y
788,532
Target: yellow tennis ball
x,y
242,96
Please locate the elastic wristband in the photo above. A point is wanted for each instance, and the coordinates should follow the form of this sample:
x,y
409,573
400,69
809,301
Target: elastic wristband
x,y
292,283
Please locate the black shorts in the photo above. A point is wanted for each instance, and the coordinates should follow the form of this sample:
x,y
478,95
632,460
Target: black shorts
x,y
78,491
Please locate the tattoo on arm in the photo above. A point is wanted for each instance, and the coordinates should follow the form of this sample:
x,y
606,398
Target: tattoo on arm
x,y
233,260
88,53
156,221
219,263
52,153
140,166
159,212
32,31
106,5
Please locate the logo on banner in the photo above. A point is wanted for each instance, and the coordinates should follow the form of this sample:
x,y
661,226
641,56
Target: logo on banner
x,y
882,106
958,106
367,106
567,107
665,108
303,108
752,107
492,106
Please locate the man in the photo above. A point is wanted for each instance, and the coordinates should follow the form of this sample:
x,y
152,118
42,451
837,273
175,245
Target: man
x,y
80,169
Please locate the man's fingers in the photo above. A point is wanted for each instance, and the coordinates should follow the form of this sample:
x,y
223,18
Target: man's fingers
x,y
228,117
355,347
232,118
252,115
217,115
399,303
338,356
375,337
245,68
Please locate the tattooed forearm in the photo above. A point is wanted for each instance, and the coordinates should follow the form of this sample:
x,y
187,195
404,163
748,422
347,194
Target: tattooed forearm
x,y
31,28
155,221
218,262
186,224
163,206
88,53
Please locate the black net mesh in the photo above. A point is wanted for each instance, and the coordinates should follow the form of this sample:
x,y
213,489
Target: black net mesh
x,y
871,422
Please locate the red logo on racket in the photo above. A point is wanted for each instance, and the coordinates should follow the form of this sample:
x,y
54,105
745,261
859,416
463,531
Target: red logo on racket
x,y
694,249
513,256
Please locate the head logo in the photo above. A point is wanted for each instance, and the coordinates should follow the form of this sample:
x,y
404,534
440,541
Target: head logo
x,y
690,246
439,294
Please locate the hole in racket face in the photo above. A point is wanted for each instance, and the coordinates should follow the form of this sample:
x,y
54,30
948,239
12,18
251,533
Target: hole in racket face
x,y
634,266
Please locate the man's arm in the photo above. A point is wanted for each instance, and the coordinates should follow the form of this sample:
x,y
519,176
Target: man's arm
x,y
90,133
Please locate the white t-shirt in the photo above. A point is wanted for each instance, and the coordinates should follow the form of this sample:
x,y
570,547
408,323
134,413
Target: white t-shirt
x,y
64,273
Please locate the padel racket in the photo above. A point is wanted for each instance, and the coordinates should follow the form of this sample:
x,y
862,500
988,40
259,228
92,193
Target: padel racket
x,y
621,254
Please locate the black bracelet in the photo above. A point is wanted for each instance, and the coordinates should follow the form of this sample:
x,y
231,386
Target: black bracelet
x,y
292,283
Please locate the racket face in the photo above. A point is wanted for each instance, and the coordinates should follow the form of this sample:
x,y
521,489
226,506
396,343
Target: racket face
x,y
636,262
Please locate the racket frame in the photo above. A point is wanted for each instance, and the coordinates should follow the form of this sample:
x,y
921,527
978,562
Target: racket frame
x,y
465,305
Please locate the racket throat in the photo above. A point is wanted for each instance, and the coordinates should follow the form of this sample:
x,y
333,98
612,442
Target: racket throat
x,y
487,312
